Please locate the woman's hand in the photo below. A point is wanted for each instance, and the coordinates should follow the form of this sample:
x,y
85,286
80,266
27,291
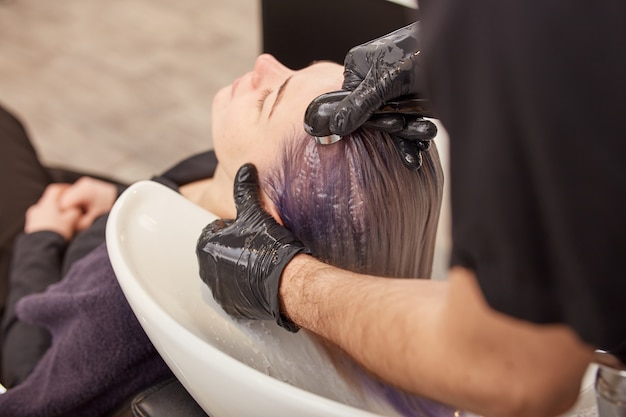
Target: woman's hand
x,y
48,215
93,197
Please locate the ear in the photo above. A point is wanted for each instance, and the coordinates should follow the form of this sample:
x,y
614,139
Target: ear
x,y
270,207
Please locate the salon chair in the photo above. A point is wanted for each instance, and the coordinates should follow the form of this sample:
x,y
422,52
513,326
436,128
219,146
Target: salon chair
x,y
166,399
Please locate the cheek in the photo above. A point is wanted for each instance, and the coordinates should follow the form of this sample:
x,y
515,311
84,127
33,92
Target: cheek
x,y
236,145
262,155
230,132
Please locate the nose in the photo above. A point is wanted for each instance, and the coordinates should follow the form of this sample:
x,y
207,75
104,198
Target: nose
x,y
267,68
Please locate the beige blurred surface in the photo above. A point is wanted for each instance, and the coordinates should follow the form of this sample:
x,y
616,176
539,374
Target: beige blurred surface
x,y
121,87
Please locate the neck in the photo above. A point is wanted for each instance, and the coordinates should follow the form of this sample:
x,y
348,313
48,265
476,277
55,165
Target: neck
x,y
214,194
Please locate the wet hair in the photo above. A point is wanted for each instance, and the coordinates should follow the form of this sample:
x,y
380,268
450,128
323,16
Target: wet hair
x,y
357,207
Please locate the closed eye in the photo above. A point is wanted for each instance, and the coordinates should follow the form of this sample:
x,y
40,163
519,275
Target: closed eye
x,y
264,94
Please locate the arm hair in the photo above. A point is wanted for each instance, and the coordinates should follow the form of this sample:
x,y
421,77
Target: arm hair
x,y
439,339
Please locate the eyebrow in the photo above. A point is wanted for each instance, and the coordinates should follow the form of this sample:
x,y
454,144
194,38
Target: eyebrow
x,y
279,95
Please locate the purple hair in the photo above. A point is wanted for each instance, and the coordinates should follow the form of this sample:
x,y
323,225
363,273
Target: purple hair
x,y
357,207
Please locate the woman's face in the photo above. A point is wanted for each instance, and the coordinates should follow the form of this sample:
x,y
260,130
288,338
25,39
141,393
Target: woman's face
x,y
256,113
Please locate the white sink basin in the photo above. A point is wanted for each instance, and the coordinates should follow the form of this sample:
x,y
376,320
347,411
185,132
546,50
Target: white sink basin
x,y
230,368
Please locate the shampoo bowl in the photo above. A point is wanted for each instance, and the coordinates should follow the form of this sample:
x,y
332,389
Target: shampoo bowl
x,y
230,368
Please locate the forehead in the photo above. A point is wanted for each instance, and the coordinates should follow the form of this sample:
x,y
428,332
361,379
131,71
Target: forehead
x,y
323,71
307,83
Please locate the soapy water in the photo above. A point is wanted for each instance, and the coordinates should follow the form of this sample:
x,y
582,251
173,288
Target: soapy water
x,y
302,360
297,359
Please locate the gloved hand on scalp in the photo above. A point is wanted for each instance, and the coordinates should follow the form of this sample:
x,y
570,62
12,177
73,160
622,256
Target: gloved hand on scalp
x,y
242,260
377,72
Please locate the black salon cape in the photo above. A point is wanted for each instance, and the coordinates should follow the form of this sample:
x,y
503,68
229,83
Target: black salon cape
x,y
533,94
99,355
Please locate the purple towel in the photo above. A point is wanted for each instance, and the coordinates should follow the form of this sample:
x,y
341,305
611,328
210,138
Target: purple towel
x,y
100,355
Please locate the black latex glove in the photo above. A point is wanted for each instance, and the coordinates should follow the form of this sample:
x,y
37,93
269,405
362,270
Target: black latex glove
x,y
242,260
412,136
376,72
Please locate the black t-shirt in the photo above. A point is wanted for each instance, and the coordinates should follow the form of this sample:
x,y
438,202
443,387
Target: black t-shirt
x,y
533,95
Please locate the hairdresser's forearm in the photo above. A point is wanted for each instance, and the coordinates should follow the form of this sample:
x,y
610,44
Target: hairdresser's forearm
x,y
438,339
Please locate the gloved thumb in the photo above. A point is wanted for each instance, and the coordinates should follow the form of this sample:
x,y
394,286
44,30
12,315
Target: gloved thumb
x,y
246,190
356,108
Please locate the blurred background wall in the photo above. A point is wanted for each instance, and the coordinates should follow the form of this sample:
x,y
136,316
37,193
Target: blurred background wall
x,y
121,87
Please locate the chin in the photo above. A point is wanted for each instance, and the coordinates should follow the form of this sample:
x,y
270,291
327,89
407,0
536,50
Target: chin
x,y
220,99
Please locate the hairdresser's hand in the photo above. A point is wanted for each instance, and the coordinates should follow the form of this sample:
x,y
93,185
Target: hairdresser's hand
x,y
242,260
377,72
47,214
93,197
